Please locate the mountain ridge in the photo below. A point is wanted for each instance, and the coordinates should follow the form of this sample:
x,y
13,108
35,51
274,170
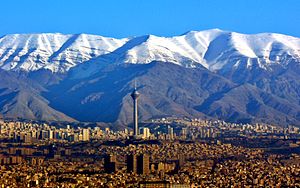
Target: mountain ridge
x,y
209,74
192,47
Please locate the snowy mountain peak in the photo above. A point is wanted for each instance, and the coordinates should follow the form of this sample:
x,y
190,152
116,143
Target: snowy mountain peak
x,y
56,52
214,49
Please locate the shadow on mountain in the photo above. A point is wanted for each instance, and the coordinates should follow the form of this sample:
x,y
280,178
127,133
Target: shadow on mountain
x,y
166,90
96,98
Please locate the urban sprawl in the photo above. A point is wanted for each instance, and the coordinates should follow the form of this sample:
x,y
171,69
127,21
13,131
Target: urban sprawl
x,y
168,152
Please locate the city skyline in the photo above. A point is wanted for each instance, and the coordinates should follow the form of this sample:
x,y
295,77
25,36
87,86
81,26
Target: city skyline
x,y
179,152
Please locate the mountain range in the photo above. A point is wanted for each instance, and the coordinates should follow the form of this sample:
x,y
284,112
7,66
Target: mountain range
x,y
202,74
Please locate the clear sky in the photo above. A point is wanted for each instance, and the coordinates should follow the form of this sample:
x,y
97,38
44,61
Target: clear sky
x,y
123,18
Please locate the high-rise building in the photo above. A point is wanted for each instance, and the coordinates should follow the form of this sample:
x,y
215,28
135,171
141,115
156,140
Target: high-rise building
x,y
85,135
110,163
50,132
135,95
139,164
33,134
171,132
43,134
184,133
27,138
132,163
107,130
143,164
146,132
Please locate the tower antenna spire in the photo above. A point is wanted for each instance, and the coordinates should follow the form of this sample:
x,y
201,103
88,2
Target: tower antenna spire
x,y
134,84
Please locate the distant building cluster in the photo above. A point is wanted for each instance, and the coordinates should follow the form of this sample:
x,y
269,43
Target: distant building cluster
x,y
33,132
198,128
156,129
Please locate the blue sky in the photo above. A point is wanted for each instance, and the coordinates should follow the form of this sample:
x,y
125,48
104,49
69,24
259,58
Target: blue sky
x,y
123,18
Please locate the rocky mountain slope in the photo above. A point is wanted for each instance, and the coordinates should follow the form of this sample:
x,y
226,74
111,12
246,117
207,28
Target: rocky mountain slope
x,y
211,74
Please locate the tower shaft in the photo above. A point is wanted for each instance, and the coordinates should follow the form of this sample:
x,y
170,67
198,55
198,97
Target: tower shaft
x,y
135,117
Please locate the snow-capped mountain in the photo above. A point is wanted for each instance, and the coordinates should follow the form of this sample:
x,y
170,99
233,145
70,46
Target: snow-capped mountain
x,y
56,52
213,49
213,74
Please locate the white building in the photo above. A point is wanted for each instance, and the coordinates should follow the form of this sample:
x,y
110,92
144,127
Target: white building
x,y
85,134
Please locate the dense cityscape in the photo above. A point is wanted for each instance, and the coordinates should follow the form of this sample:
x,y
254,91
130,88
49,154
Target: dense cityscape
x,y
168,152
